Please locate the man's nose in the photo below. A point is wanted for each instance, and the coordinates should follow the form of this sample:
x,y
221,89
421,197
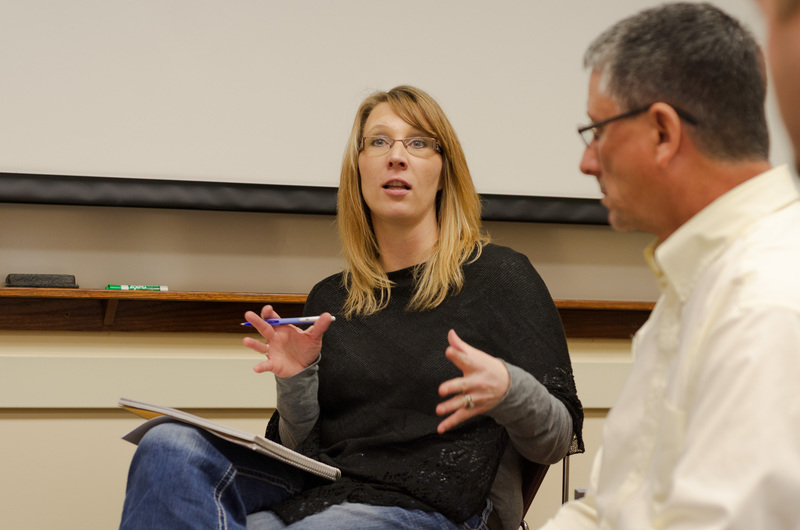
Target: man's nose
x,y
590,163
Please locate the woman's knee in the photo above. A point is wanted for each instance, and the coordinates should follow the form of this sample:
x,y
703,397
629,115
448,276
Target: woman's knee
x,y
169,434
172,442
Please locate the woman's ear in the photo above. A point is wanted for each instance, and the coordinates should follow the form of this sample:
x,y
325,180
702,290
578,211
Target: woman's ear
x,y
669,127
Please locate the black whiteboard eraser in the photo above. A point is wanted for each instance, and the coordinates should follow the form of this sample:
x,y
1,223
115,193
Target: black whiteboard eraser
x,y
41,280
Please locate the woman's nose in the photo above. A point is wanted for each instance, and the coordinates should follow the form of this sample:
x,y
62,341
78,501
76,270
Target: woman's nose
x,y
398,156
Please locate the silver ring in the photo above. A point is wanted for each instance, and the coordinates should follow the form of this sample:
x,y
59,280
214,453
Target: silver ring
x,y
469,404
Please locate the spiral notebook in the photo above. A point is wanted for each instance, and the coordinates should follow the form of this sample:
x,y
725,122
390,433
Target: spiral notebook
x,y
156,414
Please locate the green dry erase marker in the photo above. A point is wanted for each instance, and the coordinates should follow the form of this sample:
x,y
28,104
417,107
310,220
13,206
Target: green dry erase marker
x,y
138,287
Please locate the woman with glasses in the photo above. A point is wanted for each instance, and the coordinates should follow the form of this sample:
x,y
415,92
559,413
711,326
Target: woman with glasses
x,y
427,429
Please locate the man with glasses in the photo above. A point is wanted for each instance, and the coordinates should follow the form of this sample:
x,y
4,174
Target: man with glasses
x,y
783,20
706,430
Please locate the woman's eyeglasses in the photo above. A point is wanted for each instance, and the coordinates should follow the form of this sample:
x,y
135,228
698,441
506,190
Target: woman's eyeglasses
x,y
419,146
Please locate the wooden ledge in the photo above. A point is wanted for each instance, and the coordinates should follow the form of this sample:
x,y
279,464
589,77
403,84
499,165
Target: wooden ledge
x,y
186,296
45,309
600,319
160,311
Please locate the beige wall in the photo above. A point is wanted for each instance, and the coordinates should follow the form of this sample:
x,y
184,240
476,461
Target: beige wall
x,y
66,469
61,430
252,252
63,462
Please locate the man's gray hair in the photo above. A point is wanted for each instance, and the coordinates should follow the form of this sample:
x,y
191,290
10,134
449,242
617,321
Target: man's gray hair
x,y
698,59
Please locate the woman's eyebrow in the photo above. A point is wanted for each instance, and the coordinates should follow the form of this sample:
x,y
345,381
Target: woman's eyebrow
x,y
380,129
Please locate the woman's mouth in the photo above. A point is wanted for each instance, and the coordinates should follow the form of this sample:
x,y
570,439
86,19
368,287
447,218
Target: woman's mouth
x,y
396,185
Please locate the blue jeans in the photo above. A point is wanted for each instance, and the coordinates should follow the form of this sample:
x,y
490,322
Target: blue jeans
x,y
183,477
368,517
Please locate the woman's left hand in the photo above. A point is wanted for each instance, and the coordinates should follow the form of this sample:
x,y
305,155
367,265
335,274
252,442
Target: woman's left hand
x,y
485,382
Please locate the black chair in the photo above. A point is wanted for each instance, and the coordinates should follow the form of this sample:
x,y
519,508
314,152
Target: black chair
x,y
532,477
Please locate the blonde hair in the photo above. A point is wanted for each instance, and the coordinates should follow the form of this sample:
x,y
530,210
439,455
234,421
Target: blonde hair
x,y
458,213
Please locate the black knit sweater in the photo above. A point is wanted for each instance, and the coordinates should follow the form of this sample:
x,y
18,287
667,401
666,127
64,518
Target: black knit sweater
x,y
378,389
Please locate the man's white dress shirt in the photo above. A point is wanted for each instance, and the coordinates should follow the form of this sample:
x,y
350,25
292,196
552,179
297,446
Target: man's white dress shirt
x,y
706,431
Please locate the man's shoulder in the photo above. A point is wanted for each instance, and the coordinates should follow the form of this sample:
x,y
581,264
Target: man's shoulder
x,y
765,262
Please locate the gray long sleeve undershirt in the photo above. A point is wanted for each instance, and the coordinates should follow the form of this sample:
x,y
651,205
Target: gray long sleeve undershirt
x,y
298,405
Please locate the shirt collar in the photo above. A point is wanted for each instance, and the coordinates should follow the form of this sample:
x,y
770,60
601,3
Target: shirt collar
x,y
678,261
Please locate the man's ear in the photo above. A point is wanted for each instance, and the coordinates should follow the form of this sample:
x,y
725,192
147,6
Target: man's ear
x,y
669,127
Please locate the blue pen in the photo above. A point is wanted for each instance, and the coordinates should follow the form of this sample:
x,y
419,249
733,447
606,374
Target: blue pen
x,y
284,321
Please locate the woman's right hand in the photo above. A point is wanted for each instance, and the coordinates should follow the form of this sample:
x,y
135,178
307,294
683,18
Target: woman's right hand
x,y
289,349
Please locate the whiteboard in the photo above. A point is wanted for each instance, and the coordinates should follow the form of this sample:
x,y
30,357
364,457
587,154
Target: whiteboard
x,y
264,92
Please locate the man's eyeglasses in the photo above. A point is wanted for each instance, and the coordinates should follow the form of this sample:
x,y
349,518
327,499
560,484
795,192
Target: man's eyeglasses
x,y
591,132
420,146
